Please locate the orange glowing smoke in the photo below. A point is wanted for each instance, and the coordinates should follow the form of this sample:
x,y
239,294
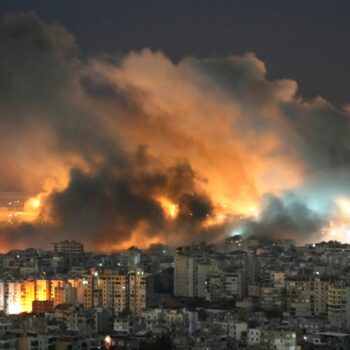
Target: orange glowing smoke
x,y
138,238
171,209
183,110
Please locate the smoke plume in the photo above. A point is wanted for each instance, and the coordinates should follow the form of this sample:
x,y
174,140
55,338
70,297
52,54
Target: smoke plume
x,y
137,149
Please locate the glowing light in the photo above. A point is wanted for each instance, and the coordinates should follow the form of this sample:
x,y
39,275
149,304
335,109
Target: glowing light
x,y
36,203
32,204
108,341
339,225
344,206
14,309
171,209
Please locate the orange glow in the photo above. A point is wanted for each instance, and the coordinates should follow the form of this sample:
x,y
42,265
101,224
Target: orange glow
x,y
170,209
22,294
36,203
138,239
42,291
31,209
27,296
182,113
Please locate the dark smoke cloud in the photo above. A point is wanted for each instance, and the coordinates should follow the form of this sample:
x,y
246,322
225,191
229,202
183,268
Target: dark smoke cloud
x,y
105,207
108,205
35,60
324,132
215,131
287,218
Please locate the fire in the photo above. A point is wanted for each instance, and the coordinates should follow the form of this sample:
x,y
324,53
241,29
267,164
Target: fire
x,y
36,203
108,342
22,294
171,209
138,238
33,204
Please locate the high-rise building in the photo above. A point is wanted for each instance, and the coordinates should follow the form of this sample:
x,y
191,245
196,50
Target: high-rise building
x,y
116,290
67,247
27,295
338,304
2,295
136,291
307,296
191,274
224,285
17,297
272,298
42,290
14,300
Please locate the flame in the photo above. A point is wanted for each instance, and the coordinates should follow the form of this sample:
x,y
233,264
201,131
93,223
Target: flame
x,y
171,209
36,203
22,294
138,238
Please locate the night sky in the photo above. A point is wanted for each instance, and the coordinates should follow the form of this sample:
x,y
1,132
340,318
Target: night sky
x,y
141,122
306,41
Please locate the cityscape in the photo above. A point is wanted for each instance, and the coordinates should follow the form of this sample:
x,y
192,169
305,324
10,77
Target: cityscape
x,y
174,175
237,294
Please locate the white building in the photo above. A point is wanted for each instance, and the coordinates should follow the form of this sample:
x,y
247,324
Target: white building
x,y
14,300
237,329
2,295
254,337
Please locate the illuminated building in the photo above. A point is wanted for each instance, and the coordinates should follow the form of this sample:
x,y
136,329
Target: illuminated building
x,y
116,290
79,285
136,291
27,295
60,295
14,297
57,291
42,290
92,291
53,285
2,295
307,296
67,247
17,297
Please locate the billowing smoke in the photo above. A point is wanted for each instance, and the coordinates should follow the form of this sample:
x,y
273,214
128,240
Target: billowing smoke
x,y
138,150
285,218
113,203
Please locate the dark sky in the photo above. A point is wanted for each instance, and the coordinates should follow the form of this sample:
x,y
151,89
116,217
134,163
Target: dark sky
x,y
304,40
